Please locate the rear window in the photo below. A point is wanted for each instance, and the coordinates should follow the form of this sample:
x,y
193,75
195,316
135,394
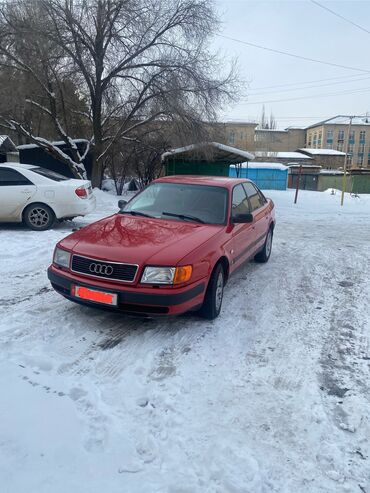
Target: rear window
x,y
49,174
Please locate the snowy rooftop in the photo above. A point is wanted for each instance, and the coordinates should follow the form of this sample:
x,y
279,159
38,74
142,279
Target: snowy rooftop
x,y
282,155
55,143
331,172
322,152
298,165
223,152
344,120
253,165
271,130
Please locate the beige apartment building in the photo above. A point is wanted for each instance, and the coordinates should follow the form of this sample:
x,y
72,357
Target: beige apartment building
x,y
330,136
333,134
247,136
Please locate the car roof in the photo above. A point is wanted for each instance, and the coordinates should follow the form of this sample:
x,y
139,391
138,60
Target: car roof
x,y
19,165
216,181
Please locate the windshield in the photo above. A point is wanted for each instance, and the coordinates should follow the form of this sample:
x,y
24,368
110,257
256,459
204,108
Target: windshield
x,y
49,174
181,201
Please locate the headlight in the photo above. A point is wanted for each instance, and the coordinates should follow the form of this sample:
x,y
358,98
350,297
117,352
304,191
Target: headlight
x,y
61,257
166,275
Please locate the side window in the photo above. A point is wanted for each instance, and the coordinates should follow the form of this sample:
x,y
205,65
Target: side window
x,y
240,204
256,198
11,178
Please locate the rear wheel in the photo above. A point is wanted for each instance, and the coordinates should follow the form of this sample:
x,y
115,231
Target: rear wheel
x,y
39,217
213,299
265,253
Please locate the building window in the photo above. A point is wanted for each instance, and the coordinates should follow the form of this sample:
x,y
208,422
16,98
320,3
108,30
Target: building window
x,y
349,159
340,146
352,136
350,148
329,145
340,135
232,137
329,135
360,159
368,159
362,136
319,141
315,140
361,148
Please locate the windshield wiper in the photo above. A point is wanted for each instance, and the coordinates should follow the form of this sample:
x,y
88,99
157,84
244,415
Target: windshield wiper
x,y
136,213
183,216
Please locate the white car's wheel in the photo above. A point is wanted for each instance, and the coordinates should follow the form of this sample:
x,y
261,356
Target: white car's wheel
x,y
39,217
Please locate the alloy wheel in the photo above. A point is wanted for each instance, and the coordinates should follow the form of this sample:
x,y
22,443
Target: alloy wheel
x,y
38,217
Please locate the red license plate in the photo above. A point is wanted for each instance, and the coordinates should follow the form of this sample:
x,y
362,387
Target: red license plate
x,y
94,295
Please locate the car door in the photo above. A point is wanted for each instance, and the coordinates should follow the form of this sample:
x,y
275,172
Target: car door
x,y
15,191
243,233
258,206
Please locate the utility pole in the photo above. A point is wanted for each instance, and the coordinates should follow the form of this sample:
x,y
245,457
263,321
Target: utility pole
x,y
344,181
298,183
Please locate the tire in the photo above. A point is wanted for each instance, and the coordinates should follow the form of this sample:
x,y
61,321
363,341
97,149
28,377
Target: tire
x,y
265,253
38,217
213,298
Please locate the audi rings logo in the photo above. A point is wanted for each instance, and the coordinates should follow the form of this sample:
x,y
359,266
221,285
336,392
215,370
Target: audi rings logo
x,y
102,269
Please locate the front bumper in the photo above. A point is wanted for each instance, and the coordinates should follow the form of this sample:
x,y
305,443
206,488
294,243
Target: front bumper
x,y
148,300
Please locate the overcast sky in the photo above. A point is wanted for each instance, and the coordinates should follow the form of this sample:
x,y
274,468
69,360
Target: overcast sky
x,y
303,28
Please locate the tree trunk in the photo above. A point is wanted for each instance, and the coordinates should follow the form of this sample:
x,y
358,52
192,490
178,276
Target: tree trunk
x,y
97,164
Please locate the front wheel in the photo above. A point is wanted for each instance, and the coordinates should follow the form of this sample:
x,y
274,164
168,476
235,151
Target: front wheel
x,y
39,217
213,299
265,253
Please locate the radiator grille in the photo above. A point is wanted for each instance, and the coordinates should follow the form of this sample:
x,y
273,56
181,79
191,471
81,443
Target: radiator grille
x,y
104,270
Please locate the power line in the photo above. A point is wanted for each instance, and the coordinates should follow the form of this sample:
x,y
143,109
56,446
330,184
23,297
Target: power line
x,y
251,91
293,55
340,16
306,82
348,92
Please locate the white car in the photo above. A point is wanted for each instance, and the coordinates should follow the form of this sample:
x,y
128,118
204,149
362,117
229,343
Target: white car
x,y
38,196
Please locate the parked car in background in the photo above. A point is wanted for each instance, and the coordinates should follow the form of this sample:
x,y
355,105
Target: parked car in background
x,y
38,196
169,250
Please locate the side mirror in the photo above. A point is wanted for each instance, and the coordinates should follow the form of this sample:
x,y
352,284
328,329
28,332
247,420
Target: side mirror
x,y
121,204
242,218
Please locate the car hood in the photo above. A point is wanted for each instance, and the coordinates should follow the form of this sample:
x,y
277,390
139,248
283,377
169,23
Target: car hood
x,y
139,240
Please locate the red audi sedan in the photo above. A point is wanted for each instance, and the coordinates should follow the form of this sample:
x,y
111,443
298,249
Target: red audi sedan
x,y
169,250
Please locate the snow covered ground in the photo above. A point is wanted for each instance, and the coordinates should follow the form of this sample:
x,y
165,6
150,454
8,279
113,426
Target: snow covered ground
x,y
273,396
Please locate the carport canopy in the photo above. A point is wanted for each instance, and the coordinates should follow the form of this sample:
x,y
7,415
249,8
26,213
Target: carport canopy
x,y
209,152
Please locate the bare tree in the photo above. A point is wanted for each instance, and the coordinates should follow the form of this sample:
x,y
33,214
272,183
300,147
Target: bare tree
x,y
39,62
267,122
135,62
